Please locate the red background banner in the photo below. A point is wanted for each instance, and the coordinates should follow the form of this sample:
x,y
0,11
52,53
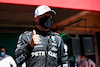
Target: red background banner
x,y
91,5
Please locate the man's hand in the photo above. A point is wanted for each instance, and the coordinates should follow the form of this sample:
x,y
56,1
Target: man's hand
x,y
35,39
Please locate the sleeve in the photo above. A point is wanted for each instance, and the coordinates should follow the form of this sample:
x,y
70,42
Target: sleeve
x,y
11,60
23,50
63,56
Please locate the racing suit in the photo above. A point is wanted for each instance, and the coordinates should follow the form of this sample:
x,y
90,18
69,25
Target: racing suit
x,y
48,53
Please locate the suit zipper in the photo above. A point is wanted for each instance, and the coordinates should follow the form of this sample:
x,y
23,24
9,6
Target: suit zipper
x,y
47,51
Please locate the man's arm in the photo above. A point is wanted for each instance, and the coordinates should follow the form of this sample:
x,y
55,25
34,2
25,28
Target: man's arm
x,y
63,54
23,50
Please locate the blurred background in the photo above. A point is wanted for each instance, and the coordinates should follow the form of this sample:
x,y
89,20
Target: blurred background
x,y
79,27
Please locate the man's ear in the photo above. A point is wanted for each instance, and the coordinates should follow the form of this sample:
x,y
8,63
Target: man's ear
x,y
36,20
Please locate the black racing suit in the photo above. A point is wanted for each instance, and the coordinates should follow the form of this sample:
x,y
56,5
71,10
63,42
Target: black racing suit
x,y
48,53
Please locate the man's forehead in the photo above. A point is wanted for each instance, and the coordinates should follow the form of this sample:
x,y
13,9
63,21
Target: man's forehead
x,y
2,49
46,14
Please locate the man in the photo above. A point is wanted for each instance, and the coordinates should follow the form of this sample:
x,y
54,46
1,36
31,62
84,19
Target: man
x,y
6,60
86,62
41,47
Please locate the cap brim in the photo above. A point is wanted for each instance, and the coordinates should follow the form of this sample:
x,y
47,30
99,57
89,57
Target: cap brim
x,y
53,12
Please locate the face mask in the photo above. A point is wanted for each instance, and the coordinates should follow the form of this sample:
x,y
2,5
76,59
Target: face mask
x,y
46,22
2,53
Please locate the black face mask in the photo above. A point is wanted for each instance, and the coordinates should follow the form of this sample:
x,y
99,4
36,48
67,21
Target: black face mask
x,y
46,22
